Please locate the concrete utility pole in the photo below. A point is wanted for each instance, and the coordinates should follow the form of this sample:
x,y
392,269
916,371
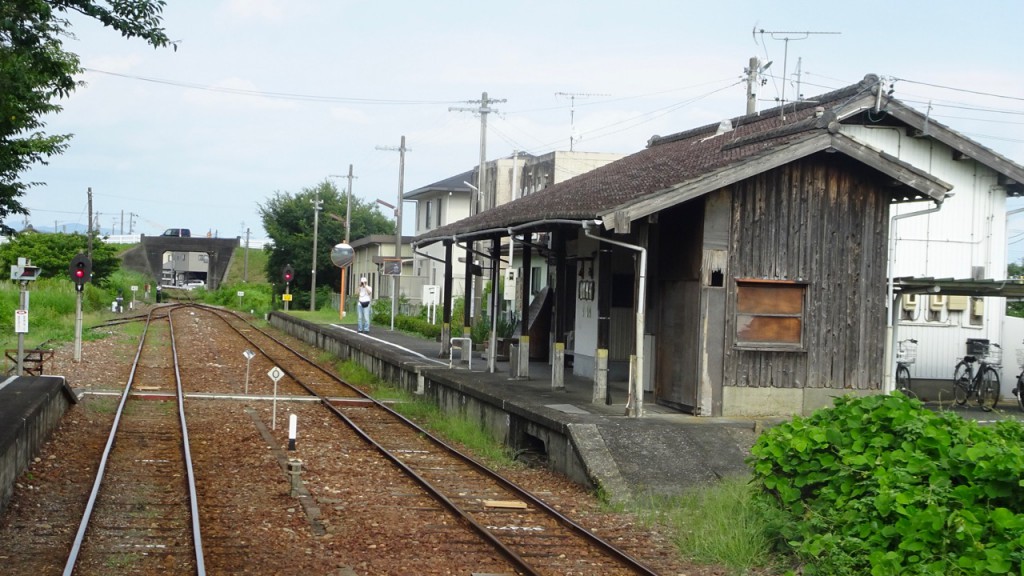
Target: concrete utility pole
x,y
245,260
317,204
348,237
88,251
398,223
481,183
753,71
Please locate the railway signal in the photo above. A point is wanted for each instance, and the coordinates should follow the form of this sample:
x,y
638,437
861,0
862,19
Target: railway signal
x,y
80,270
288,274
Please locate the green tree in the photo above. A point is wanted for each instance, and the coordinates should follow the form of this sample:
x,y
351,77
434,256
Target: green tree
x,y
53,253
1015,308
288,220
36,71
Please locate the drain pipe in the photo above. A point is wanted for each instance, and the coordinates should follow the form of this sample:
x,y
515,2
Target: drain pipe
x,y
635,407
892,326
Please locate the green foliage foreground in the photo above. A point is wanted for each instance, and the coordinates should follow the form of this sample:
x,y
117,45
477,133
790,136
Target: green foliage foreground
x,y
881,485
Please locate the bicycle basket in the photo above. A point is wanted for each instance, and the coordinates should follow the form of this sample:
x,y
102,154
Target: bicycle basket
x,y
993,355
906,352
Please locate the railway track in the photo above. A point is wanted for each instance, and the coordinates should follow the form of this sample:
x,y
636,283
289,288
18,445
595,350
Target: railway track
x,y
533,537
142,516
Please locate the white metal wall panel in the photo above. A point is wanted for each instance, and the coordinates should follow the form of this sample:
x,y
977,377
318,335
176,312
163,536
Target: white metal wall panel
x,y
967,234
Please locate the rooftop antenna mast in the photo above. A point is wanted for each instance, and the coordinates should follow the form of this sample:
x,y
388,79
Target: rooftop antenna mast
x,y
785,36
572,111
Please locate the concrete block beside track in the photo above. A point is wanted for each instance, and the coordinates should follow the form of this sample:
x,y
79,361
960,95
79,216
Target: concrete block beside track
x,y
30,409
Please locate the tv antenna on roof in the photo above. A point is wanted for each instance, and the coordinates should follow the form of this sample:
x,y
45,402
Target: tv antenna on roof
x,y
786,37
572,110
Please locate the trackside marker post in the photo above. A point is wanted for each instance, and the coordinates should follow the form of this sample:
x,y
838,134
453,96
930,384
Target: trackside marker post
x,y
293,422
249,355
275,374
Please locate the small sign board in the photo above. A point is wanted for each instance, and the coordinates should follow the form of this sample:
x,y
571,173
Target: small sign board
x,y
511,278
135,288
431,295
21,321
392,268
286,297
249,354
240,294
275,374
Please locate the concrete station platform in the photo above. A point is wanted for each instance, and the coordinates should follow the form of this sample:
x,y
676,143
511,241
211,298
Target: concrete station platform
x,y
30,409
661,454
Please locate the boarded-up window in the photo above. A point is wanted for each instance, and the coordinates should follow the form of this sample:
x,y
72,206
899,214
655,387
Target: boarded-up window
x,y
770,313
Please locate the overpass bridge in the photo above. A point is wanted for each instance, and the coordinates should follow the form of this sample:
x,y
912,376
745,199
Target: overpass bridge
x,y
148,256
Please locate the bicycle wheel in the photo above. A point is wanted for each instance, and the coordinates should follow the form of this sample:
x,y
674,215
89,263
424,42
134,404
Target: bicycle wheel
x,y
1019,391
903,381
961,382
988,390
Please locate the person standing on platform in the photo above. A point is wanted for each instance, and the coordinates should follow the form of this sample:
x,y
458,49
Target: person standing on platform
x,y
363,309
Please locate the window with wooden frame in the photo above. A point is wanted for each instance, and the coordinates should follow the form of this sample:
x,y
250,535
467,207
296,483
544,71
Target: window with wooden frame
x,y
770,314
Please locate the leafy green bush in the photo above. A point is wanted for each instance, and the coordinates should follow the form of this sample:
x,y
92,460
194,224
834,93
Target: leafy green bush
x,y
880,485
257,297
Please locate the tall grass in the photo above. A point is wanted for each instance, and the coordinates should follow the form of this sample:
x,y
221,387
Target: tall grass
x,y
720,524
452,428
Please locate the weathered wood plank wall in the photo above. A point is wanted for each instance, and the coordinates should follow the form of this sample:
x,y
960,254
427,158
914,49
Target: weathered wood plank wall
x,y
824,221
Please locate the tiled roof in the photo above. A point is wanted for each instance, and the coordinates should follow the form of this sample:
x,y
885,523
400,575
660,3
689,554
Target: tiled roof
x,y
673,160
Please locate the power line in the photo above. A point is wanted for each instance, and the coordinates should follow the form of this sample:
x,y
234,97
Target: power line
x,y
265,94
959,89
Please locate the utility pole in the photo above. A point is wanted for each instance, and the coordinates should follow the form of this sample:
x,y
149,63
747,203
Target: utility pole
x,y
245,260
572,111
316,225
348,236
88,251
398,219
753,71
481,179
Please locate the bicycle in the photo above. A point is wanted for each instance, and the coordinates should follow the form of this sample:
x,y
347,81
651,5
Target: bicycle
x,y
984,384
906,354
1018,390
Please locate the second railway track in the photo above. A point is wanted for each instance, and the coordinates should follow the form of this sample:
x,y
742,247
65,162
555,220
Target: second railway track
x,y
533,537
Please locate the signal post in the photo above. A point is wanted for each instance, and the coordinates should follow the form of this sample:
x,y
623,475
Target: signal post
x,y
288,274
80,270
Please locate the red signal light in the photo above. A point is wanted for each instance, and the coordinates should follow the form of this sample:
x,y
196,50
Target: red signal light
x,y
81,271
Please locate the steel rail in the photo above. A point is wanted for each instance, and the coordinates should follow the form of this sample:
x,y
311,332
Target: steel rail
x,y
76,547
608,548
197,537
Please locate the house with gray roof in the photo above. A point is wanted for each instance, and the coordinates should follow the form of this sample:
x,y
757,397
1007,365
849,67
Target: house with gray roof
x,y
741,268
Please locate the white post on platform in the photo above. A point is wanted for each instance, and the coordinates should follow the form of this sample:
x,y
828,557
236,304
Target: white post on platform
x,y
293,422
558,367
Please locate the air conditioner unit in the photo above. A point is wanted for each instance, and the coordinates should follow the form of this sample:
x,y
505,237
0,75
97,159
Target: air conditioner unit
x,y
957,303
978,307
936,302
910,302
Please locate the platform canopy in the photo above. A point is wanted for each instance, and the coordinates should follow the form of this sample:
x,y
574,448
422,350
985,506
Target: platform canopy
x,y
1010,288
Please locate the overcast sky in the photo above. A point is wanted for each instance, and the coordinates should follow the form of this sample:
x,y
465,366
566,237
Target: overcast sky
x,y
266,96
